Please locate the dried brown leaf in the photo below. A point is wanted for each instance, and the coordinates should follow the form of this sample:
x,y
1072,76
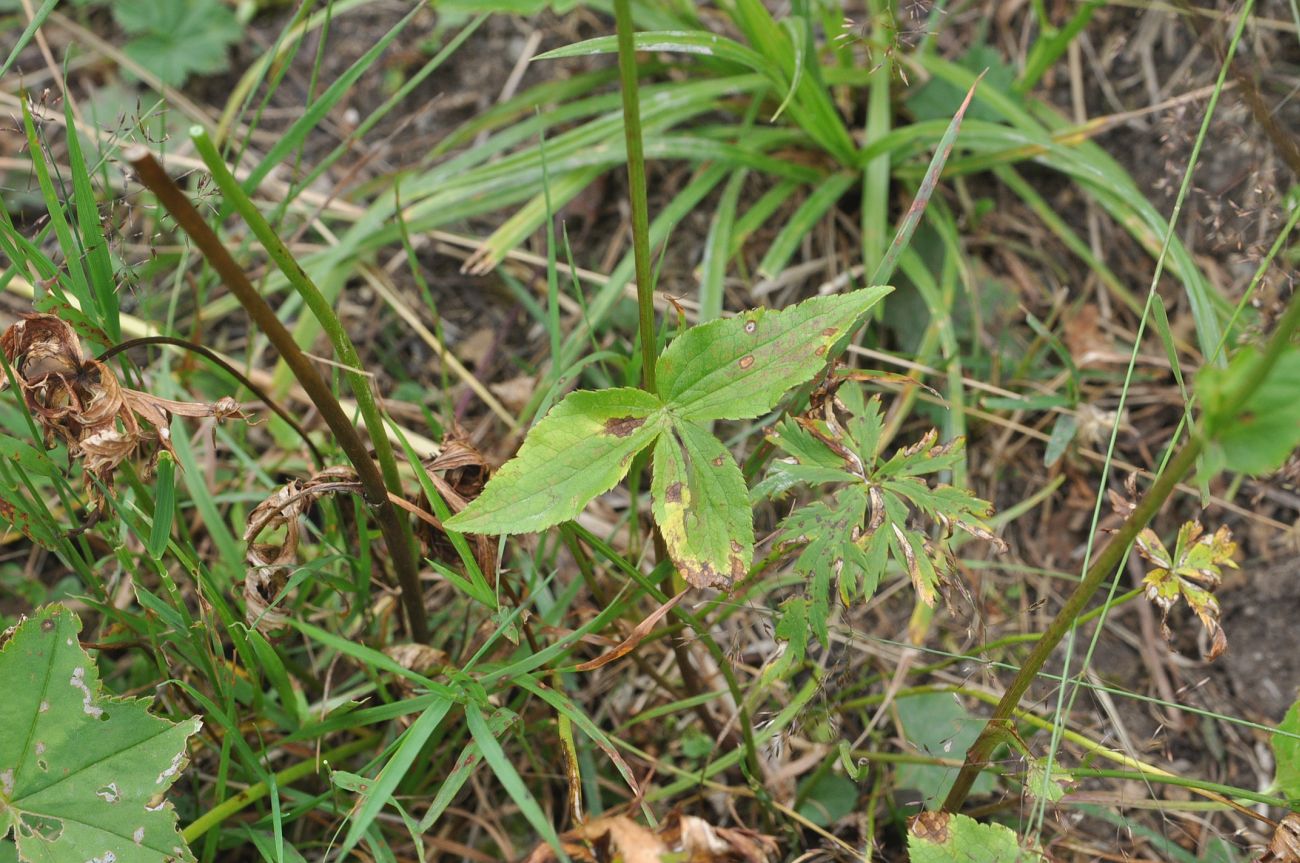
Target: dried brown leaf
x,y
80,401
1284,847
640,631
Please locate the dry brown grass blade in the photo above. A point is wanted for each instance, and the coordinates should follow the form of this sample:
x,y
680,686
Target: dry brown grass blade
x,y
639,632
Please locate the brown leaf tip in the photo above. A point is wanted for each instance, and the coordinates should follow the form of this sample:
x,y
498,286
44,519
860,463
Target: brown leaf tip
x,y
623,426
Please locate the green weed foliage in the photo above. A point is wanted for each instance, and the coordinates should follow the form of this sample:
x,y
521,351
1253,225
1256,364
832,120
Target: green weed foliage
x,y
358,633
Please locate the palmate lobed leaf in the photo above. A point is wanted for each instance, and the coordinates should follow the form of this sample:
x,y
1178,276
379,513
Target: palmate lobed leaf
x,y
579,450
852,540
83,775
1192,572
740,367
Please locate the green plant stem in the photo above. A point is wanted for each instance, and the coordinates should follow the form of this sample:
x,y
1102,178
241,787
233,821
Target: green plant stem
x,y
1110,559
320,308
1228,791
627,73
395,529
253,793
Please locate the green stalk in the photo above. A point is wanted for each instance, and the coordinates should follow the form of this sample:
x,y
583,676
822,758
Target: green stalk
x,y
1110,559
627,74
320,308
253,793
395,528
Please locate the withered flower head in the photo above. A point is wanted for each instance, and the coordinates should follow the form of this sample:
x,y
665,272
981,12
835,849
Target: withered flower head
x,y
79,401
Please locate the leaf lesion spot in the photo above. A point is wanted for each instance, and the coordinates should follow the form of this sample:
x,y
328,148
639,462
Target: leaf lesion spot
x,y
747,361
673,494
623,426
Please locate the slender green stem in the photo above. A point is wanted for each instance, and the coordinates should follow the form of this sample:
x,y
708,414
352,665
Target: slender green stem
x,y
1111,558
395,529
1229,791
627,73
319,306
253,793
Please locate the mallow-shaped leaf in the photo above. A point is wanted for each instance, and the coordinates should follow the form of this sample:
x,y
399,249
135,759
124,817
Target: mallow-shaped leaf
x,y
579,450
702,506
83,775
1259,438
738,368
941,837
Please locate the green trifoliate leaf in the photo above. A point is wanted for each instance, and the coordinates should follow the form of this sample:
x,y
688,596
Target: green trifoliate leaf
x,y
83,775
702,506
579,450
738,368
941,837
1259,438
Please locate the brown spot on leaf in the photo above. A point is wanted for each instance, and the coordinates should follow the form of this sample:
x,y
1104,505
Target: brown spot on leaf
x,y
717,462
751,327
821,351
931,826
746,361
623,426
829,331
673,494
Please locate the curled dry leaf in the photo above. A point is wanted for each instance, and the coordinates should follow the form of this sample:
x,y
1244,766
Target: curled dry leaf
x,y
680,837
1192,572
80,402
458,473
1284,847
270,564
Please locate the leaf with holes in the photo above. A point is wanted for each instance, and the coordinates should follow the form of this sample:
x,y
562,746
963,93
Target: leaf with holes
x,y
1191,572
738,368
83,775
702,507
579,450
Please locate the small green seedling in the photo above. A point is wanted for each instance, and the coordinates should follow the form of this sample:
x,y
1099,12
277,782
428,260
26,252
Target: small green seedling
x,y
731,369
83,775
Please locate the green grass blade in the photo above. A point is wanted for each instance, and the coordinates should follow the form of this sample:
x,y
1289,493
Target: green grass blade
x,y
510,779
392,774
35,24
807,217
907,227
